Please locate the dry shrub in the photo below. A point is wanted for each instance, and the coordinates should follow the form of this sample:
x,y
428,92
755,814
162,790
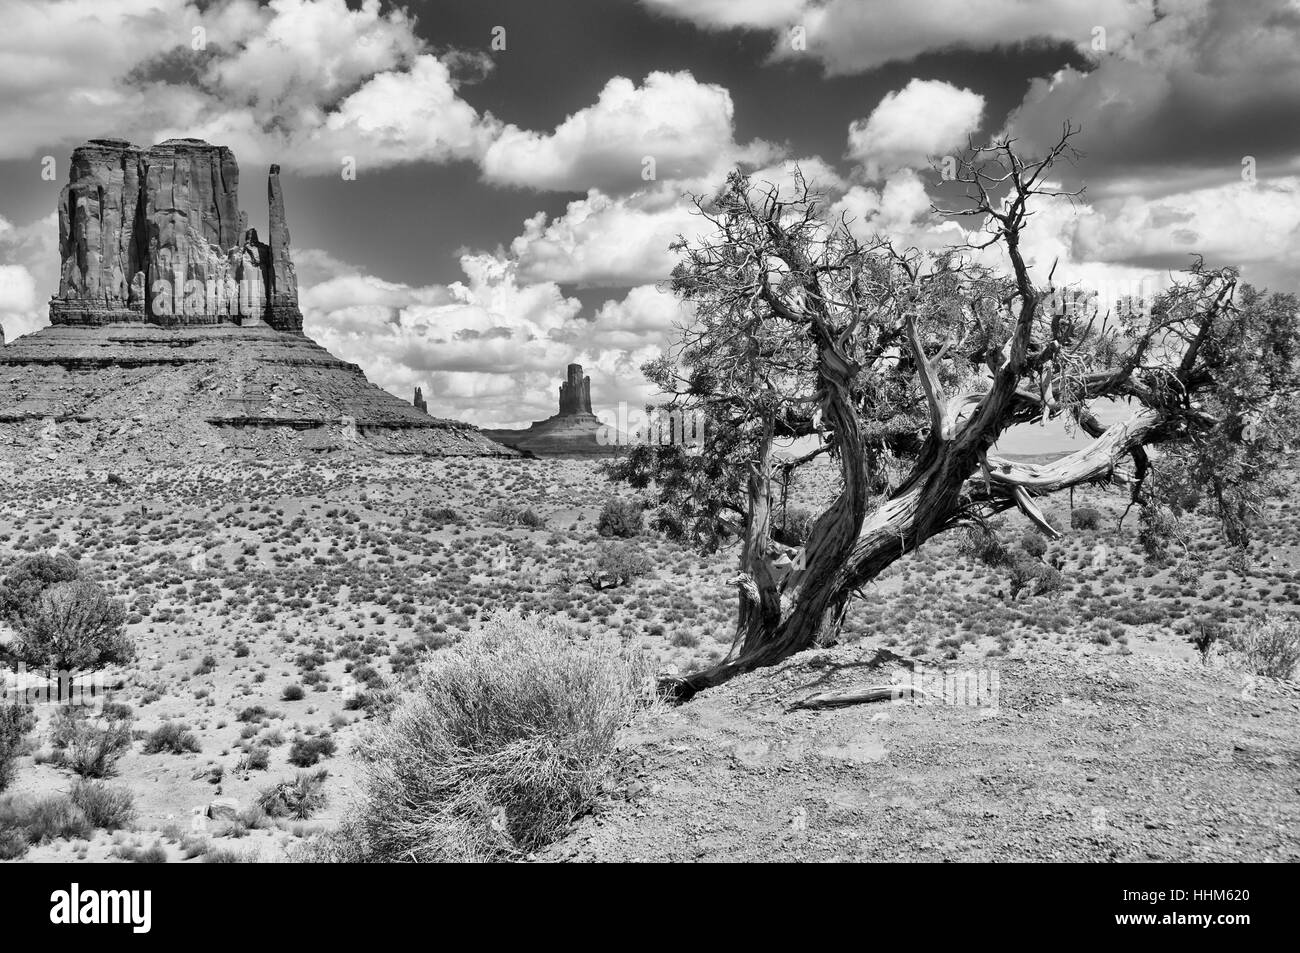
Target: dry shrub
x,y
16,721
299,798
88,744
52,817
1269,645
504,740
110,808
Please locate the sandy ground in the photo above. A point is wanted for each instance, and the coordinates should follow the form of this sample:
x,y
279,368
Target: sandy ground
x,y
337,576
1080,757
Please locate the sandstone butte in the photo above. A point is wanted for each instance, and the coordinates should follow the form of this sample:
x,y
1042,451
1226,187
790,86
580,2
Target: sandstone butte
x,y
573,432
176,332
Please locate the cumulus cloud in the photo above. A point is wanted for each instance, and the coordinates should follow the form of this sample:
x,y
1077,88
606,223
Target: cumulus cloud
x,y
18,300
1255,227
29,268
300,81
622,241
395,117
310,82
671,127
490,349
1208,83
899,210
817,174
848,36
603,241
923,119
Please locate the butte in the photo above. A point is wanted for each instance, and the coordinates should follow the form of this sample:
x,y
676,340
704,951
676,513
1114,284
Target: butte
x,y
176,336
573,432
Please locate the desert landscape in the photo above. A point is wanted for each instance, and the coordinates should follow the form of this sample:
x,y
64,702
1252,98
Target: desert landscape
x,y
276,612
814,431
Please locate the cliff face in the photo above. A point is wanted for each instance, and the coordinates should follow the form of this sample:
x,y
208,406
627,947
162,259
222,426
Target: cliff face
x,y
157,236
575,393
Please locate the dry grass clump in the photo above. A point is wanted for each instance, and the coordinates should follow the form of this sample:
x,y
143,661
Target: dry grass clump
x,y
505,739
1268,646
110,808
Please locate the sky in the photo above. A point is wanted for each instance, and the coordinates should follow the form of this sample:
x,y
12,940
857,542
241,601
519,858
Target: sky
x,y
520,167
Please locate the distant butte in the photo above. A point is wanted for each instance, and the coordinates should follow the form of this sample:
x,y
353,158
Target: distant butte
x,y
569,433
175,333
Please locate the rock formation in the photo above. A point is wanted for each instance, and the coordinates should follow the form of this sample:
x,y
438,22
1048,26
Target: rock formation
x,y
176,334
419,402
282,299
157,236
575,393
571,432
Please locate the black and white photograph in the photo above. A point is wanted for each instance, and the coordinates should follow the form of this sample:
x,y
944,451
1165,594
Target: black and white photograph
x,y
650,432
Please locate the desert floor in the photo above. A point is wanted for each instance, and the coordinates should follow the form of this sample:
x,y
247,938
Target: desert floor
x,y
1110,737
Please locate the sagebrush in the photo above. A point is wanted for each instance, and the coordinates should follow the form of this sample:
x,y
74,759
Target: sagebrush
x,y
504,740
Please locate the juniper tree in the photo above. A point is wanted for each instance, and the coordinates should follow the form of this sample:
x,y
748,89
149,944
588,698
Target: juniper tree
x,y
908,366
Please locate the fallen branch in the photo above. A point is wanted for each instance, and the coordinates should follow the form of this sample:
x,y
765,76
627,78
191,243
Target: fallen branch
x,y
859,696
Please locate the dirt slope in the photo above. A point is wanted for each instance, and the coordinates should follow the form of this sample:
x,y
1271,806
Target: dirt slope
x,y
1092,757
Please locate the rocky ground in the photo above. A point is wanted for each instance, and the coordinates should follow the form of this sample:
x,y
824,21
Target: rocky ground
x,y
1093,757
247,583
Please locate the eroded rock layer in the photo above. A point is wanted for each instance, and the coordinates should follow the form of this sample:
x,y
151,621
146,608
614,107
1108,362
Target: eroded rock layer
x,y
100,395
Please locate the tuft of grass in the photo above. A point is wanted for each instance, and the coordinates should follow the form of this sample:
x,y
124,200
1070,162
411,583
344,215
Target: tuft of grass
x,y
135,854
1268,645
16,721
106,807
13,843
257,759
505,739
305,751
300,798
52,817
172,737
91,746
223,856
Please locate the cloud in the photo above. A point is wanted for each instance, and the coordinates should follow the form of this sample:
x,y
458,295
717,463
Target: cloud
x,y
671,127
490,349
1254,227
817,175
18,301
29,269
726,14
1184,101
602,241
309,82
302,82
415,115
923,119
899,210
848,36
621,241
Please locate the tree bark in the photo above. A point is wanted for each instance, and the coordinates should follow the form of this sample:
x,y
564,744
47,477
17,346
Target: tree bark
x,y
927,506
